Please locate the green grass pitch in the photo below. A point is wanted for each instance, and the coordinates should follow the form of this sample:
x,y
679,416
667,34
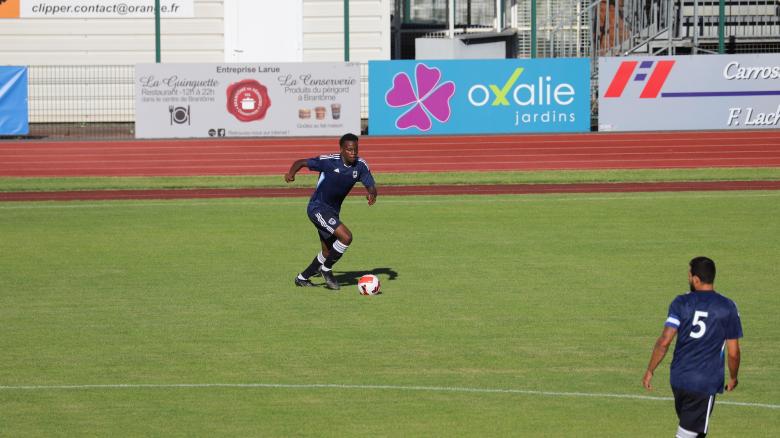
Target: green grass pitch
x,y
524,316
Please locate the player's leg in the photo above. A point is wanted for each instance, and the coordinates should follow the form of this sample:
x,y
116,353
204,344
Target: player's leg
x,y
327,222
327,244
683,433
314,267
302,279
319,217
340,246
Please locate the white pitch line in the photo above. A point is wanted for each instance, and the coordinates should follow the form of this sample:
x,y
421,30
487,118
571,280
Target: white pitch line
x,y
369,387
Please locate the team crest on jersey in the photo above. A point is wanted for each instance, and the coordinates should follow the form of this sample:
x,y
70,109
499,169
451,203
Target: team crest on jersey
x,y
336,170
332,221
354,174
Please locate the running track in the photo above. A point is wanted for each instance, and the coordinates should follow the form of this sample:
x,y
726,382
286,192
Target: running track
x,y
394,154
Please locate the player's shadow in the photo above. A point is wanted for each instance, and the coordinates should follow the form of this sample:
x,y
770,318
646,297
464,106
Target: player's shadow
x,y
352,277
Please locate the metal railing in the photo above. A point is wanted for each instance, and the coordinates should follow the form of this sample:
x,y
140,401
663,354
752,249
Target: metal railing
x,y
81,100
670,27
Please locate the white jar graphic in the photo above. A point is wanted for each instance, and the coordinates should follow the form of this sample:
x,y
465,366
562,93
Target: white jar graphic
x,y
248,103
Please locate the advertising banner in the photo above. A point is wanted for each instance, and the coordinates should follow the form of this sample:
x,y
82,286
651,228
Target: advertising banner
x,y
479,96
689,92
14,119
95,9
247,100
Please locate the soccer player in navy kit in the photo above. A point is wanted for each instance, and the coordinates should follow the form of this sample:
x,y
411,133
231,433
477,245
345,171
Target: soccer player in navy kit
x,y
338,174
707,323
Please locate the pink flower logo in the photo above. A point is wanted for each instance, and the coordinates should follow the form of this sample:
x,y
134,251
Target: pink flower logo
x,y
431,99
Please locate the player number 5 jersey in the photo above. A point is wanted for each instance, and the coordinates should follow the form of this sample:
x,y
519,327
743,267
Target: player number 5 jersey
x,y
704,321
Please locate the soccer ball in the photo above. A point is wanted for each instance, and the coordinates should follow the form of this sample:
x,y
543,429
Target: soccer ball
x,y
369,285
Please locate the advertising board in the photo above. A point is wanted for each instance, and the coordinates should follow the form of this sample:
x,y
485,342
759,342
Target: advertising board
x,y
689,92
479,96
247,100
14,112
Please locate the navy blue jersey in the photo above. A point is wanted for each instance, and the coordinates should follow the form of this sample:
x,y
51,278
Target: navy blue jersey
x,y
337,179
704,321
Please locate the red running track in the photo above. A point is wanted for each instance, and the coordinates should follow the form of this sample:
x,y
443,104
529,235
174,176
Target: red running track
x,y
394,154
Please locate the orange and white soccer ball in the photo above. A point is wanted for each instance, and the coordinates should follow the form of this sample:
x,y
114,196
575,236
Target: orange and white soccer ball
x,y
369,285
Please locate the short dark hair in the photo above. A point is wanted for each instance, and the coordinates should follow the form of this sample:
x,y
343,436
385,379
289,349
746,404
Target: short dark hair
x,y
347,137
703,268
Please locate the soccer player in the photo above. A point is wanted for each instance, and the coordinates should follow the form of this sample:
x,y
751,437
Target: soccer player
x,y
338,174
707,323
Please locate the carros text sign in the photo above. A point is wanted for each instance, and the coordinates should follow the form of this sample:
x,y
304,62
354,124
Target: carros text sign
x,y
689,92
479,96
235,100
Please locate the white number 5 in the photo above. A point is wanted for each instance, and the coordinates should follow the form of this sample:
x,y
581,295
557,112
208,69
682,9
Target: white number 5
x,y
698,322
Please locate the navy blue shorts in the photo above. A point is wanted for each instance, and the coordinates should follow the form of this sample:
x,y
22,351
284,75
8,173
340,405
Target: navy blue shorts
x,y
693,409
325,218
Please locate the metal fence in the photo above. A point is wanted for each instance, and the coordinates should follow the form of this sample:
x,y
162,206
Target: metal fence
x,y
670,27
81,100
467,13
563,29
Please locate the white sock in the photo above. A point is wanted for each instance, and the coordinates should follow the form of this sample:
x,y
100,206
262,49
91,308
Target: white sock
x,y
685,433
340,247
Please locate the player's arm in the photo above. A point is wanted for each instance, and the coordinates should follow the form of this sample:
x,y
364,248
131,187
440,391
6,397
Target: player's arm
x,y
659,352
368,181
371,196
296,166
732,345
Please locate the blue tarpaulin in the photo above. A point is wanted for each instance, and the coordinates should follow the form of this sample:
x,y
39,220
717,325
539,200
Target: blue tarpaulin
x,y
14,118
